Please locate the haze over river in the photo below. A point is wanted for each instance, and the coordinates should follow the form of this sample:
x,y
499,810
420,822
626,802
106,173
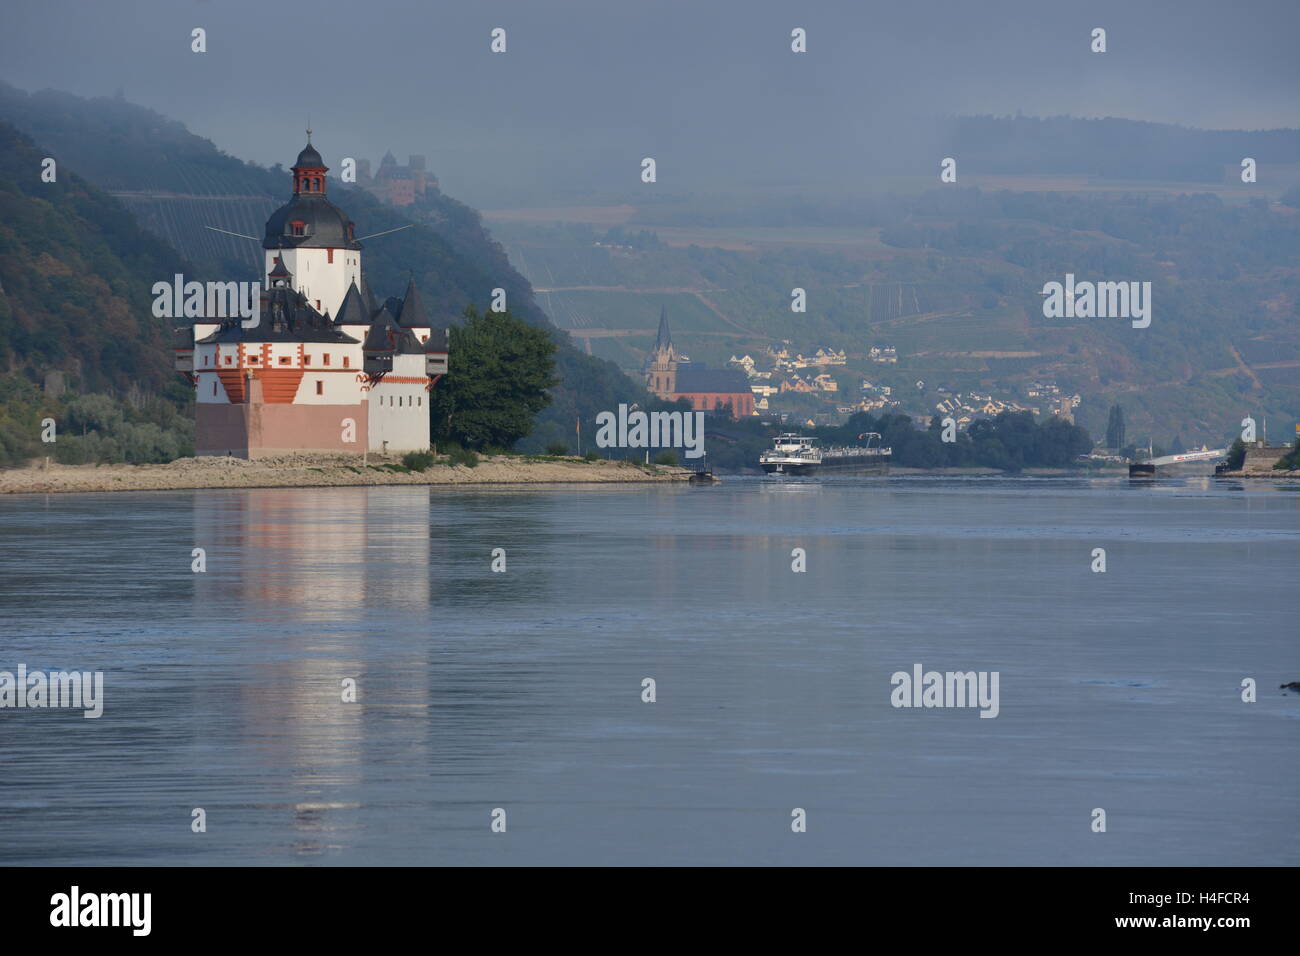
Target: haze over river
x,y
522,690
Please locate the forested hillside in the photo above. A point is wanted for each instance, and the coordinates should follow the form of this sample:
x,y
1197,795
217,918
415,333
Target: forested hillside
x,y
952,276
72,264
176,184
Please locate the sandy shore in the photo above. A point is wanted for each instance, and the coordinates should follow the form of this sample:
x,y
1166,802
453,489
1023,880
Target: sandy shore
x,y
321,471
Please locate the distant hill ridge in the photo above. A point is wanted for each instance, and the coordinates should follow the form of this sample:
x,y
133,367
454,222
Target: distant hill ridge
x,y
1111,148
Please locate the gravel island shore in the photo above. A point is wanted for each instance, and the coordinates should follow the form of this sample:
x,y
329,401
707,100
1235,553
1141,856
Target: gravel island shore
x,y
314,471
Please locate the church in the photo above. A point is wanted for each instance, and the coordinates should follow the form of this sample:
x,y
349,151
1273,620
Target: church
x,y
321,367
713,390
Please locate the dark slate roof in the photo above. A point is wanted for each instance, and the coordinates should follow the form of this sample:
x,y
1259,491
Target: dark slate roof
x,y
438,339
281,271
665,338
412,314
408,344
285,317
353,311
695,379
368,297
326,225
389,159
309,158
383,334
386,337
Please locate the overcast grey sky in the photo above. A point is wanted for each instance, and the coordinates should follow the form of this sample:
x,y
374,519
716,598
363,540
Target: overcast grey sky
x,y
709,88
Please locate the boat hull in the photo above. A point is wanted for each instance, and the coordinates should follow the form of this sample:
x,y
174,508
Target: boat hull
x,y
847,466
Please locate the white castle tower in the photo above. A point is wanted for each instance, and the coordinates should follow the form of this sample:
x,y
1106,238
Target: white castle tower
x,y
313,238
297,380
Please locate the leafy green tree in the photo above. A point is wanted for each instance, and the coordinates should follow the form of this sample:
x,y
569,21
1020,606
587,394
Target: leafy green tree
x,y
499,369
1236,455
1291,460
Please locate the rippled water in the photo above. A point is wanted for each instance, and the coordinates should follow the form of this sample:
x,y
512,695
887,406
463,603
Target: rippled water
x,y
522,690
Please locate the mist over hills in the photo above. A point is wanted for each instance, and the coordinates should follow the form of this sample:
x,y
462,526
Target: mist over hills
x,y
949,274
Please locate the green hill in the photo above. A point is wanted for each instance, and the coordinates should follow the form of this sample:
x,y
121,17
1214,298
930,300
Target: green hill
x,y
72,264
175,184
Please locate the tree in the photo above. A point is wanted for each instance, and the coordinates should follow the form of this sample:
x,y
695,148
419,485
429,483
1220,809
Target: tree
x,y
1115,428
1291,460
499,369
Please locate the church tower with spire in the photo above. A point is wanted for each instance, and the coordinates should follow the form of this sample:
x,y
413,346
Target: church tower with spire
x,y
661,366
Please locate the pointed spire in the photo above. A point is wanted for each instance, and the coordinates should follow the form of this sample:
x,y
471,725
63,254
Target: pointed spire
x,y
383,334
412,315
665,339
368,297
353,311
280,275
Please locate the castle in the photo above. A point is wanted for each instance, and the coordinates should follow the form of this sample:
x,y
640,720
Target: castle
x,y
394,184
321,367
715,390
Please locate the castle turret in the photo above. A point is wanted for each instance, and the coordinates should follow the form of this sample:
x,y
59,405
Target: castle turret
x,y
412,315
314,238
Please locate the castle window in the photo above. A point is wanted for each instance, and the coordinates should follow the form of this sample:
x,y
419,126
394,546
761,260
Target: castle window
x,y
326,359
299,228
346,361
206,359
227,359
329,255
284,360
253,360
306,360
320,387
214,388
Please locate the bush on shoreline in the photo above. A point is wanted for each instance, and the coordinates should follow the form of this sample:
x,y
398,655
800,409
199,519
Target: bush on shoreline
x,y
418,460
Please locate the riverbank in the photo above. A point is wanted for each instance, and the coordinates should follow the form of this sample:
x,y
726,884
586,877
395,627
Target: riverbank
x,y
320,471
1293,475
1031,472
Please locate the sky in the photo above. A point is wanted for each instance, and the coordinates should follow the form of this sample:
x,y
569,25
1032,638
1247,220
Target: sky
x,y
709,88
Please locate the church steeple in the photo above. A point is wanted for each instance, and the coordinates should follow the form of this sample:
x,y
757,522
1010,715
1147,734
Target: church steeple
x,y
661,368
665,339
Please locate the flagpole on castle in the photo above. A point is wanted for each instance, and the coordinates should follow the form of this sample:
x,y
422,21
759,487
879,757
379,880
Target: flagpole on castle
x,y
577,427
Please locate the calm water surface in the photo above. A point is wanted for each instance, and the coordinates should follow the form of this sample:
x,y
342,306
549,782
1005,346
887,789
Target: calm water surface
x,y
522,690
